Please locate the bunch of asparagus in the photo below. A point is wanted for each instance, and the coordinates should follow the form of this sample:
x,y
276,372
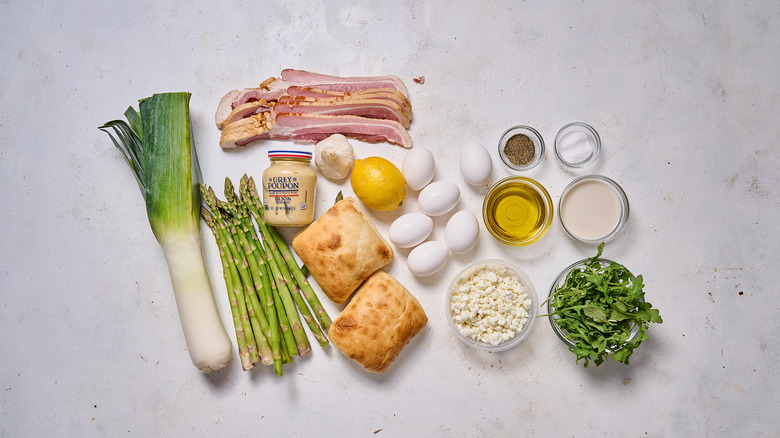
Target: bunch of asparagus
x,y
266,288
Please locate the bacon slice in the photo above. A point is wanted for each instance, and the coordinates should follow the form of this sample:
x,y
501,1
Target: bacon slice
x,y
389,94
254,94
308,107
245,131
224,107
316,127
371,108
273,88
270,89
246,110
312,128
342,83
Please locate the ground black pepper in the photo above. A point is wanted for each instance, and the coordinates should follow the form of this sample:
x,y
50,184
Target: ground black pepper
x,y
520,149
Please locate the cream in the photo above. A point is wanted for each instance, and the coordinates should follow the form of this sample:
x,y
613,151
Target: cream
x,y
590,210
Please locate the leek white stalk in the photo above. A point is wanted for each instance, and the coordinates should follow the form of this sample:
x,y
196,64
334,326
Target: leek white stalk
x,y
207,341
158,148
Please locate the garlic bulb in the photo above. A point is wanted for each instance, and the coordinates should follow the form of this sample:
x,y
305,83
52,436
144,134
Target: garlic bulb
x,y
334,156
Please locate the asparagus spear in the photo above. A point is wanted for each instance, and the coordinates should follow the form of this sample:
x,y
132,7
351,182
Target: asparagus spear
x,y
259,271
286,290
251,199
263,346
238,323
301,341
287,279
300,279
239,294
259,267
253,304
282,314
241,264
287,339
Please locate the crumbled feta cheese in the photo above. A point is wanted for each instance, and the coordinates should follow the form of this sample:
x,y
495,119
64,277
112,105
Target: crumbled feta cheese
x,y
490,305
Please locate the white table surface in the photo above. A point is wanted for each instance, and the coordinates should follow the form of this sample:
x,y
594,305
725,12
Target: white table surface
x,y
684,95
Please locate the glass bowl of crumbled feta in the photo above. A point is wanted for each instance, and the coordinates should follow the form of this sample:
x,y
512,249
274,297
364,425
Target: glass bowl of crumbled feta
x,y
491,305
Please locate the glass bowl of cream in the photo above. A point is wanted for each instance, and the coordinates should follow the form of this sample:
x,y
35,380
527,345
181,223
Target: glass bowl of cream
x,y
593,209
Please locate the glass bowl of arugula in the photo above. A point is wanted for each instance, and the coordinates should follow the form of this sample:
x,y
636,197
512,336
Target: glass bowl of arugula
x,y
597,307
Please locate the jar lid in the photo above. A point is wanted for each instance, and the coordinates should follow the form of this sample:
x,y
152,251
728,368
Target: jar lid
x,y
289,154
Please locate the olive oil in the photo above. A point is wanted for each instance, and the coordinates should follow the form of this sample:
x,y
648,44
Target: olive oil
x,y
517,211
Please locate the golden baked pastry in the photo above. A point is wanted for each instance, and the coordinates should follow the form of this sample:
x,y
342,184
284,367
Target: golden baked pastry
x,y
378,322
341,249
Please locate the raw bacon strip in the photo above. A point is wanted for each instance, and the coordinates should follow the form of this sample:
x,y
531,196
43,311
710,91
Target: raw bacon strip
x,y
313,93
389,94
224,107
341,83
312,128
309,107
246,110
254,94
372,108
272,88
245,131
298,81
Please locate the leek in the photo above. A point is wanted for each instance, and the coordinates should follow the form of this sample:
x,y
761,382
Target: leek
x,y
157,145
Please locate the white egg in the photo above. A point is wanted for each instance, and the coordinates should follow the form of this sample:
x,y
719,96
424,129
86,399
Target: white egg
x,y
410,229
461,232
438,198
418,167
475,164
427,258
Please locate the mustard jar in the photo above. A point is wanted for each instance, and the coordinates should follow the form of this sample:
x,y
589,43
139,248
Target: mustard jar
x,y
289,184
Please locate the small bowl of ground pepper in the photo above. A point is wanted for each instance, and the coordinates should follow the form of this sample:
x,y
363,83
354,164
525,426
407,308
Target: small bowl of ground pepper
x,y
521,148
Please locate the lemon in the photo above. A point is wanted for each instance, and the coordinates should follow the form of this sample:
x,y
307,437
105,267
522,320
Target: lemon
x,y
378,183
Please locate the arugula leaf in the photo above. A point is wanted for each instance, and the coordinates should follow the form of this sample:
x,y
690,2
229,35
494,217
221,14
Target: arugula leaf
x,y
596,313
599,307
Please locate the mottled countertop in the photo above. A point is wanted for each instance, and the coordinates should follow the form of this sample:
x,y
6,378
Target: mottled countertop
x,y
683,94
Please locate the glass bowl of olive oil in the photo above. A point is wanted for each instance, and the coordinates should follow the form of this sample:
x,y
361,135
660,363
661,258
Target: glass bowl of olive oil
x,y
517,211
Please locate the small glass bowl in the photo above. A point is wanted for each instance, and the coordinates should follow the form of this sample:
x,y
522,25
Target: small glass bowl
x,y
577,145
498,203
558,282
621,209
516,274
534,135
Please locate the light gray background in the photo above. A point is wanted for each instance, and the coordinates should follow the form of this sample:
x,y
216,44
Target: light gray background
x,y
684,95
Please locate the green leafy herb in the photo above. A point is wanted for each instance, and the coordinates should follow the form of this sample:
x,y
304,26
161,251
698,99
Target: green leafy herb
x,y
599,306
339,196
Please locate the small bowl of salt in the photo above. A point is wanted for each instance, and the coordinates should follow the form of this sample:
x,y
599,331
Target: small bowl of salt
x,y
577,145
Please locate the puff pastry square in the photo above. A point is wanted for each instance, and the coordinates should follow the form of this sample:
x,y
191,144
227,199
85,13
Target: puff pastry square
x,y
378,322
341,249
